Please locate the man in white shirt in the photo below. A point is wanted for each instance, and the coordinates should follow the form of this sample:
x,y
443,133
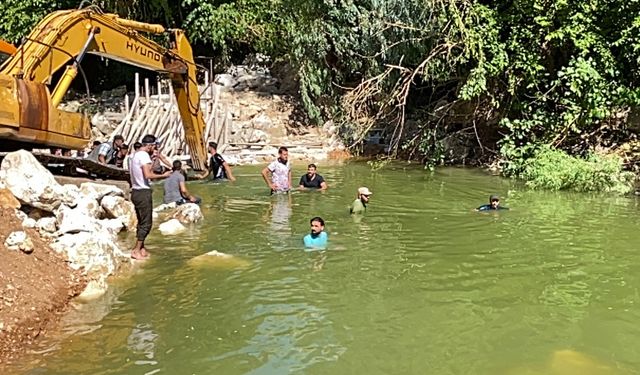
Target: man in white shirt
x,y
280,170
141,197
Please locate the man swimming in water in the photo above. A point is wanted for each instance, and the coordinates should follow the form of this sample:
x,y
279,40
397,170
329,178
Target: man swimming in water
x,y
318,238
494,204
359,206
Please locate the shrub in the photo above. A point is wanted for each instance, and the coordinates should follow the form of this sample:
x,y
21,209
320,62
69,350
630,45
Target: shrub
x,y
556,170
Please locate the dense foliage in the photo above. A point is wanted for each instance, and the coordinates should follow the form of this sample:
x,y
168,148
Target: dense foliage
x,y
514,78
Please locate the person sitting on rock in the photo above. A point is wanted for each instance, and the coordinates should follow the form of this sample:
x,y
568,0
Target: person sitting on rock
x,y
218,168
175,189
312,180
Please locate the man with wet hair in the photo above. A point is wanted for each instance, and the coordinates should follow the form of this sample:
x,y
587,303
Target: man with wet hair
x,y
494,204
218,168
141,194
280,171
318,238
312,180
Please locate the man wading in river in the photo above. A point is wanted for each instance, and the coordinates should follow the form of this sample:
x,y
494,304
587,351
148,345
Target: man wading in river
x,y
141,173
280,170
359,206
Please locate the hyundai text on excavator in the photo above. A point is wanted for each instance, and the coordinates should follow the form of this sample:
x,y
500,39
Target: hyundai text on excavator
x,y
29,117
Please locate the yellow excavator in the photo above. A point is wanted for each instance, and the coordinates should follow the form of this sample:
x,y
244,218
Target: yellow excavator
x,y
6,49
29,114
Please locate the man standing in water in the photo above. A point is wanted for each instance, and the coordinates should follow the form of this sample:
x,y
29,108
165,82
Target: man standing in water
x,y
141,198
494,204
318,238
218,168
312,179
280,170
359,206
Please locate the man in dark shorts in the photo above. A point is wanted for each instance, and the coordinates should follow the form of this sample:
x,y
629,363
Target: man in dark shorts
x,y
218,168
141,195
312,180
494,204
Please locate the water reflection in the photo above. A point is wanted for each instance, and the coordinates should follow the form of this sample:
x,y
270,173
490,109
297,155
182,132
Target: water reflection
x,y
279,213
142,341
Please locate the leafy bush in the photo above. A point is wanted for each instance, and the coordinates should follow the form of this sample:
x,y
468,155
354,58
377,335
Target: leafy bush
x,y
556,170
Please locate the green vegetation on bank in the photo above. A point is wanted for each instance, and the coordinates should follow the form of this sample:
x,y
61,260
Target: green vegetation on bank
x,y
503,78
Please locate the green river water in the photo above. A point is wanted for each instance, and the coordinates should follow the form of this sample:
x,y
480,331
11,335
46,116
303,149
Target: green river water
x,y
420,285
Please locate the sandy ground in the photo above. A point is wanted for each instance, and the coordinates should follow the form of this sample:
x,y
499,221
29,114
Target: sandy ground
x,y
35,289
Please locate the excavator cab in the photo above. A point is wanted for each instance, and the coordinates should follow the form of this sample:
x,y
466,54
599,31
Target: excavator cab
x,y
6,49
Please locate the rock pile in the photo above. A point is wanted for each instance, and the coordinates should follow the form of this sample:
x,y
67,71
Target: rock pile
x,y
82,222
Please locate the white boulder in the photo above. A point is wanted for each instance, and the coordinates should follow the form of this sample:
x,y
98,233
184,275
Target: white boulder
x,y
188,213
95,252
71,220
116,207
170,227
30,182
69,194
19,241
89,207
46,224
29,223
113,226
98,191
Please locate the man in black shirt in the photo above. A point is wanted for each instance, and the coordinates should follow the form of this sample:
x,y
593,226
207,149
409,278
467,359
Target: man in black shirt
x,y
312,179
494,204
218,167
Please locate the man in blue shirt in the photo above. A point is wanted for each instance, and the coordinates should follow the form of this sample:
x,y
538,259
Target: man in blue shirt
x,y
318,238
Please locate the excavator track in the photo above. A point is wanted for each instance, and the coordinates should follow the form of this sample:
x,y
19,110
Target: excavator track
x,y
78,167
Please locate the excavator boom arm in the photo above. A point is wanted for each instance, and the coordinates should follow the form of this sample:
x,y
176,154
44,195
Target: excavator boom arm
x,y
64,37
